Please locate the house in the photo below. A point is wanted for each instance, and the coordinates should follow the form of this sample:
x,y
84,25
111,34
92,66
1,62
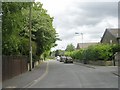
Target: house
x,y
85,45
110,36
118,38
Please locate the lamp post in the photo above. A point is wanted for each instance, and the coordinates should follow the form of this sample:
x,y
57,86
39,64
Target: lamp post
x,y
82,37
30,45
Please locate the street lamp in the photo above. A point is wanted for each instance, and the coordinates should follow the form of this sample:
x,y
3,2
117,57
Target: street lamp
x,y
82,37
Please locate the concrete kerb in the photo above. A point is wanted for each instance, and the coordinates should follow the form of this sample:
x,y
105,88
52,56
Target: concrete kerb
x,y
115,73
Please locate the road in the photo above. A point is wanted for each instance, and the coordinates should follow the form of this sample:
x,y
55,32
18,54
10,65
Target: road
x,y
60,75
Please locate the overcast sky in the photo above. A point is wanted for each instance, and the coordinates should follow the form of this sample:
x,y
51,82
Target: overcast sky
x,y
82,16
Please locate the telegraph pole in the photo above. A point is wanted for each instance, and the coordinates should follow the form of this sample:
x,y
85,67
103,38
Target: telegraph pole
x,y
30,45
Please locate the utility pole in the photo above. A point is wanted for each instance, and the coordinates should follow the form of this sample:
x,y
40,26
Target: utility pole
x,y
82,39
1,45
30,46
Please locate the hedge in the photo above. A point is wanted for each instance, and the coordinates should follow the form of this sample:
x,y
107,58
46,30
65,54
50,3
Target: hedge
x,y
95,52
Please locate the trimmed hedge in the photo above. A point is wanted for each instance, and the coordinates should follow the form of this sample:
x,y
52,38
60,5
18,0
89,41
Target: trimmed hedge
x,y
95,52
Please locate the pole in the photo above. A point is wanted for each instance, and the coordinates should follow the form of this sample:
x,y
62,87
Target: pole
x,y
82,39
30,46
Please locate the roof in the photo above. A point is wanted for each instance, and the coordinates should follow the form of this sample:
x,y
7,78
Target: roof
x,y
114,32
84,45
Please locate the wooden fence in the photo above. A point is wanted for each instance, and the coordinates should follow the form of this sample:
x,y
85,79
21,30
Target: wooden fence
x,y
13,66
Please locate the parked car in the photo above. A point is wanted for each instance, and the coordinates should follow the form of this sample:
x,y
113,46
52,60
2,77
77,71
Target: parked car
x,y
58,58
68,60
62,58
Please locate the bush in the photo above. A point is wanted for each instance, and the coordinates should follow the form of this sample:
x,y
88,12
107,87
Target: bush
x,y
96,52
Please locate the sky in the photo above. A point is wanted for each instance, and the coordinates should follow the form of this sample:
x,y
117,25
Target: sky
x,y
90,17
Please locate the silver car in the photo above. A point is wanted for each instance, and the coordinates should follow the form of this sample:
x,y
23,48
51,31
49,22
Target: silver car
x,y
68,60
62,58
58,58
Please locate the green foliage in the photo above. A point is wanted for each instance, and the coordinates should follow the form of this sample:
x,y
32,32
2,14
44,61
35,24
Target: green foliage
x,y
24,46
15,29
11,26
77,54
45,55
99,52
45,35
70,47
59,53
11,46
96,52
115,48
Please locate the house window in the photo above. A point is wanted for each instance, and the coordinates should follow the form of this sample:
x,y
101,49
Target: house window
x,y
111,41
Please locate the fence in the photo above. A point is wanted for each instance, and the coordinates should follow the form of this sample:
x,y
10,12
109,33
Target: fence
x,y
13,66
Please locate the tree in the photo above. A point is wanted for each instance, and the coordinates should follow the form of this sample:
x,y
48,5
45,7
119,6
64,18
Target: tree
x,y
16,29
57,53
12,24
43,31
70,47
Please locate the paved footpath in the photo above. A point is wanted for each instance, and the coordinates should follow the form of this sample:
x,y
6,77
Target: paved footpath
x,y
95,66
24,80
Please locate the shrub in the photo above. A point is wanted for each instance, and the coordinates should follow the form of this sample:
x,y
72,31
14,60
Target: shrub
x,y
96,52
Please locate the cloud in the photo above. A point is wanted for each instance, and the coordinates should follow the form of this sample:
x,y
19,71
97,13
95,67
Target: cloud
x,y
85,14
89,18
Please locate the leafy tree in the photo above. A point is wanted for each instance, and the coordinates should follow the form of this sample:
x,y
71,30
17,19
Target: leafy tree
x,y
70,47
57,53
11,26
16,29
43,31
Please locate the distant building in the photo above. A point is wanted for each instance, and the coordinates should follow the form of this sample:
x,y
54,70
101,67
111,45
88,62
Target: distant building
x,y
85,45
110,36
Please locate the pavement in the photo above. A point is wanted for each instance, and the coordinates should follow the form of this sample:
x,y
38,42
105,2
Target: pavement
x,y
55,74
24,80
94,67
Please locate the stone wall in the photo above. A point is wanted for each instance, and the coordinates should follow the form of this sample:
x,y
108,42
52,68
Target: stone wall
x,y
101,63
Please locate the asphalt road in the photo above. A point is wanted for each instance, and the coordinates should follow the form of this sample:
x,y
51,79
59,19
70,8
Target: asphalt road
x,y
60,75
